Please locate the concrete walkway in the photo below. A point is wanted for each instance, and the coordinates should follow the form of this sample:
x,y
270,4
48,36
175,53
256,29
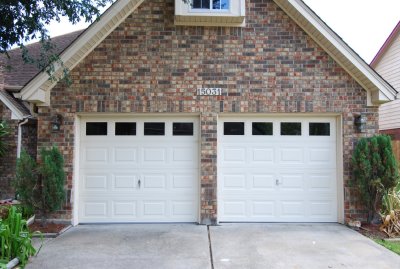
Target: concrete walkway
x,y
232,246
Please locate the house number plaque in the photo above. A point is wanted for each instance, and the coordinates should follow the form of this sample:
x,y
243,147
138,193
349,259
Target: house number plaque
x,y
209,91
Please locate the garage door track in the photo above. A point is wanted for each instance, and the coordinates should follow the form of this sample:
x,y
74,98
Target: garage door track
x,y
232,246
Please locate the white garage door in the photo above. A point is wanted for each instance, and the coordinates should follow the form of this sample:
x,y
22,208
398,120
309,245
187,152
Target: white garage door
x,y
138,170
277,170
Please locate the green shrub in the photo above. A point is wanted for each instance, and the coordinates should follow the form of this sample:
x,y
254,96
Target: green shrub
x,y
374,171
26,181
40,186
15,239
52,177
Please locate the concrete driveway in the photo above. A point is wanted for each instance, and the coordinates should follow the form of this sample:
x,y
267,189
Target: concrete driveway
x,y
232,246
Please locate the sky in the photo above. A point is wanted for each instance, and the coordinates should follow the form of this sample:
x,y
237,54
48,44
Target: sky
x,y
363,24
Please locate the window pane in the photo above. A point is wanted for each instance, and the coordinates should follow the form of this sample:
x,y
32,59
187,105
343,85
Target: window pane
x,y
262,128
182,128
96,128
125,128
220,4
201,4
154,128
290,128
233,128
320,128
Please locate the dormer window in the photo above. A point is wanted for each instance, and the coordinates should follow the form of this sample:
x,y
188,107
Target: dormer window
x,y
210,12
211,4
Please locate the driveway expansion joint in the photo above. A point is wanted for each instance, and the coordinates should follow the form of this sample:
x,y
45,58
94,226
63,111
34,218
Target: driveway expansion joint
x,y
210,247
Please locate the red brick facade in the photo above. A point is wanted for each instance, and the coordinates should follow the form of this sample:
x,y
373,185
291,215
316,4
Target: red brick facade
x,y
8,162
149,65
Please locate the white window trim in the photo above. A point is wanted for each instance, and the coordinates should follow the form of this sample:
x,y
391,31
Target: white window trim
x,y
211,9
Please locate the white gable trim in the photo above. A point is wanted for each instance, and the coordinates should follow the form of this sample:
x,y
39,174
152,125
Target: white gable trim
x,y
379,91
80,48
16,113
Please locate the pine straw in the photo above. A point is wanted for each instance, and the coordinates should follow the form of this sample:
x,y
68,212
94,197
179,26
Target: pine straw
x,y
391,224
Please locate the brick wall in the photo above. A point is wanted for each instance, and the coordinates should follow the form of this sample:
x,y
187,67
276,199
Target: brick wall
x,y
149,65
8,162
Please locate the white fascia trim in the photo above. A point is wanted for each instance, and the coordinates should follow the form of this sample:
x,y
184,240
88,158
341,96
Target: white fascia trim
x,y
39,81
343,48
16,114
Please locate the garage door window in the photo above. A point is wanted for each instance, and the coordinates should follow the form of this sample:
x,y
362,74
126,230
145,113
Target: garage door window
x,y
182,128
154,128
96,128
233,128
262,128
320,129
125,128
290,128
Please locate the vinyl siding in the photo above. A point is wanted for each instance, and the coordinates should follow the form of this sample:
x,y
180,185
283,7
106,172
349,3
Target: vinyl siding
x,y
389,66
389,115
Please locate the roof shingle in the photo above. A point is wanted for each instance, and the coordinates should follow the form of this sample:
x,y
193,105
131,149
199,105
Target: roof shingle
x,y
20,72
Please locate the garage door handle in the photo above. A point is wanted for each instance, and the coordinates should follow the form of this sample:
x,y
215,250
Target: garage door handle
x,y
139,183
277,182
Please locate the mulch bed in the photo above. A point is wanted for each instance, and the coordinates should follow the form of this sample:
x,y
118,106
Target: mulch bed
x,y
50,227
372,231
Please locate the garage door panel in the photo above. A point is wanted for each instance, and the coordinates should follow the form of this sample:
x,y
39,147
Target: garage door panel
x,y
125,155
139,178
182,208
234,208
96,155
262,155
322,208
234,181
124,209
322,181
292,182
183,181
291,155
263,209
290,209
154,208
153,156
320,155
281,178
263,182
96,209
234,155
95,182
125,182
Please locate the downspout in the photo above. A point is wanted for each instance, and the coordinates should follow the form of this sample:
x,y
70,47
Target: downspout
x,y
19,142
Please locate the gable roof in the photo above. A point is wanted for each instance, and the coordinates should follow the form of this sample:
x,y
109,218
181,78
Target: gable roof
x,y
379,91
21,73
386,45
18,110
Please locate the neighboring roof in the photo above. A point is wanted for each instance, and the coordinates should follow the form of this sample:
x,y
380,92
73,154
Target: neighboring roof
x,y
379,91
20,73
18,109
386,45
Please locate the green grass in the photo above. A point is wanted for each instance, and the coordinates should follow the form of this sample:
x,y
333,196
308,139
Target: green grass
x,y
393,246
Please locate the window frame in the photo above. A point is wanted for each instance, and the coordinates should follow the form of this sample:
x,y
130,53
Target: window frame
x,y
210,9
